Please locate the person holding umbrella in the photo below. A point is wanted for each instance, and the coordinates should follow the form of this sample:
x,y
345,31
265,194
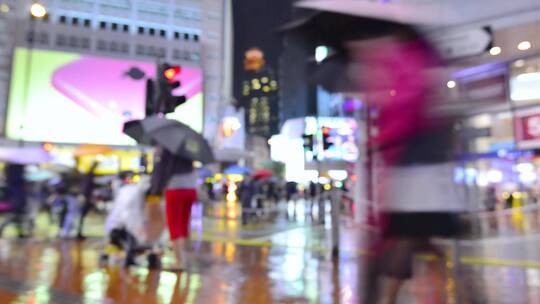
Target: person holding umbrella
x,y
177,147
174,176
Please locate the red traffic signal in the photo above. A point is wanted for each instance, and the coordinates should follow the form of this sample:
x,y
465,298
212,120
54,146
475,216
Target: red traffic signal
x,y
325,131
171,73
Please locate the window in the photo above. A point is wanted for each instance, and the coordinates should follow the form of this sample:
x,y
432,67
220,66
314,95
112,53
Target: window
x,y
186,36
124,48
140,30
73,42
162,33
126,28
161,52
196,38
87,22
113,46
62,19
195,57
152,32
101,45
139,49
75,21
44,38
102,25
61,40
30,37
176,35
85,43
114,26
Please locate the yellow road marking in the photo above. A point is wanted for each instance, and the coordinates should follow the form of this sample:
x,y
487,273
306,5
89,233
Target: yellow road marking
x,y
472,261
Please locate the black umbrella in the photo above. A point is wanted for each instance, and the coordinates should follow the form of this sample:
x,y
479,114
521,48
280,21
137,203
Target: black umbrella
x,y
173,135
134,129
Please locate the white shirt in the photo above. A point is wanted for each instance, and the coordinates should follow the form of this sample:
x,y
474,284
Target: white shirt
x,y
183,181
423,188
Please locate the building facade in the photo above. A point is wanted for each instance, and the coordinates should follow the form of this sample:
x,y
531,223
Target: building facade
x,y
186,32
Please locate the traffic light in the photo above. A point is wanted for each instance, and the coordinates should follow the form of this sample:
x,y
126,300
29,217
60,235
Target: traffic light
x,y
159,92
167,78
326,138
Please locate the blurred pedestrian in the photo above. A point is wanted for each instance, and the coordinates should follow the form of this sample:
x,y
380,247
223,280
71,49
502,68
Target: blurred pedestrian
x,y
246,193
491,199
17,198
291,190
175,177
87,196
419,199
64,202
509,201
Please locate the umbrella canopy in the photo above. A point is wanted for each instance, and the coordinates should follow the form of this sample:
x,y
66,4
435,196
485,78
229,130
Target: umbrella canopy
x,y
424,13
89,149
262,174
24,155
332,29
134,129
176,137
205,172
237,170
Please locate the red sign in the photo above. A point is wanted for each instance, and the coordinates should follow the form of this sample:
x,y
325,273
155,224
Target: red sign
x,y
528,130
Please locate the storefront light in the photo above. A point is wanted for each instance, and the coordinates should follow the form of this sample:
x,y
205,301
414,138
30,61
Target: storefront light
x,y
528,77
494,176
482,180
524,167
496,50
323,180
524,45
527,177
459,175
519,63
338,175
502,153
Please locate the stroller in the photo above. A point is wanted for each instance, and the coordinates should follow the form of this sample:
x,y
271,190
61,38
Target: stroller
x,y
134,227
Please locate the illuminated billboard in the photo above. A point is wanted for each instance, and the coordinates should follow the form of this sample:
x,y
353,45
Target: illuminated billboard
x,y
74,98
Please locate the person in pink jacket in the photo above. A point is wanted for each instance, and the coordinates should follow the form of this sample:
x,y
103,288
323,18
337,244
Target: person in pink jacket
x,y
417,198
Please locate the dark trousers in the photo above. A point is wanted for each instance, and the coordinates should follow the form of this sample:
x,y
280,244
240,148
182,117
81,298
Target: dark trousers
x,y
84,212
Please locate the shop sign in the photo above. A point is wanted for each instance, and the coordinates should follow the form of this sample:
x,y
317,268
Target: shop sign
x,y
528,130
491,88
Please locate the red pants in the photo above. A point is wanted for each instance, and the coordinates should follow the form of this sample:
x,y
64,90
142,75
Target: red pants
x,y
178,206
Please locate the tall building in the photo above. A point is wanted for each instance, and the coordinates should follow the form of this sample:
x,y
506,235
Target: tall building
x,y
141,33
258,47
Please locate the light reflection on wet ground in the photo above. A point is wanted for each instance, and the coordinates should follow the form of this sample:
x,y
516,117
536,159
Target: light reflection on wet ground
x,y
68,272
286,262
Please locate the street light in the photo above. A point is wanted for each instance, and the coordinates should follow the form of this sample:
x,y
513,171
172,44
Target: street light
x,y
37,10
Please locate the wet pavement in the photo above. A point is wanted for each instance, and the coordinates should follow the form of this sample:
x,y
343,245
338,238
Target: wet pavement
x,y
282,258
69,272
